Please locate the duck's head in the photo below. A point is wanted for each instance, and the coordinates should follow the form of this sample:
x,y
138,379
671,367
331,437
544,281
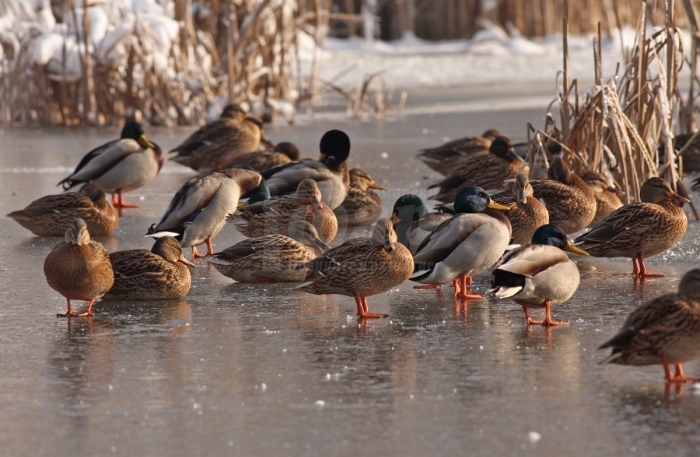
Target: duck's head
x,y
408,208
552,235
233,111
384,233
475,200
502,148
362,179
258,194
598,183
169,248
655,190
133,130
77,233
559,170
305,233
491,134
309,193
690,284
522,188
335,148
289,149
93,192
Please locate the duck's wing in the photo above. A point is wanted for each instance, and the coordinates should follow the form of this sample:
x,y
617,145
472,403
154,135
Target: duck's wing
x,y
250,246
533,259
221,130
54,204
285,178
192,197
100,160
632,220
135,263
445,238
662,315
335,257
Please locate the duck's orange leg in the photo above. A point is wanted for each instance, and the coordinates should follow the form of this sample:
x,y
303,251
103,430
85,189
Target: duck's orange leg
x,y
678,377
363,311
68,313
195,254
119,201
210,247
548,322
88,313
461,289
530,321
642,273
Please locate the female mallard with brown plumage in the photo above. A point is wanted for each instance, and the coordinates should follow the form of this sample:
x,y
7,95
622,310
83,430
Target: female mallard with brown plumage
x,y
79,269
261,161
487,171
271,258
640,230
216,144
448,156
412,221
361,267
362,206
665,330
569,201
525,213
275,215
539,275
51,215
607,197
158,274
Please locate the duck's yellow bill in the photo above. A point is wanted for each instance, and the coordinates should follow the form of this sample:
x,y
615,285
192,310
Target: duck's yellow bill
x,y
498,206
571,248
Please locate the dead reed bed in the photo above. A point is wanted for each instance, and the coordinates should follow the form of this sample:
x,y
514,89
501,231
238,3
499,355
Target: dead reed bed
x,y
616,126
159,69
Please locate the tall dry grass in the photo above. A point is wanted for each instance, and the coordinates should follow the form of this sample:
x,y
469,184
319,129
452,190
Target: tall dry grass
x,y
616,126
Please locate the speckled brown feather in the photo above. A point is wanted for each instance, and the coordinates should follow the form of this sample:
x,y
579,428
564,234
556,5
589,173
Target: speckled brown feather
x,y
667,327
360,266
525,218
487,171
79,271
217,144
569,201
641,229
448,156
606,200
51,215
274,216
145,275
362,206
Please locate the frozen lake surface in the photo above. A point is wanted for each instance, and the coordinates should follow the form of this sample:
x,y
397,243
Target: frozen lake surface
x,y
243,369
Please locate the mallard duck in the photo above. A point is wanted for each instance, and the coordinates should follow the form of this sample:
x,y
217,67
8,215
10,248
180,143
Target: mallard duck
x,y
468,243
330,172
607,197
569,201
665,330
275,215
640,230
539,275
360,267
261,161
119,166
448,156
79,269
525,212
52,214
412,221
362,206
158,274
487,171
217,144
198,210
271,258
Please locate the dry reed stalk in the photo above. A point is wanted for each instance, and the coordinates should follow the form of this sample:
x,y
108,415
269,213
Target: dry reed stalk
x,y
615,130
